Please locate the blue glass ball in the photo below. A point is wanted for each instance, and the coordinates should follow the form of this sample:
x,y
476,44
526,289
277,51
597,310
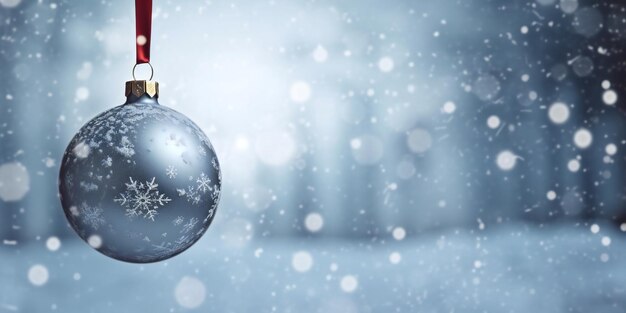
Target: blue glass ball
x,y
140,182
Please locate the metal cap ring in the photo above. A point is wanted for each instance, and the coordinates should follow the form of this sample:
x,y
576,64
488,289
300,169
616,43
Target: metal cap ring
x,y
151,70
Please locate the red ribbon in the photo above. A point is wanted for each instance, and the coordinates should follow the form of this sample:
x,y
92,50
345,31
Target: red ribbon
x,y
143,23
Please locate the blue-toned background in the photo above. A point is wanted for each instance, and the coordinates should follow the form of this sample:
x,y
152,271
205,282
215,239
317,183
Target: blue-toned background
x,y
377,156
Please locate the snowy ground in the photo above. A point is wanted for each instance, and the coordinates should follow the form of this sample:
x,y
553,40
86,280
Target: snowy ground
x,y
514,269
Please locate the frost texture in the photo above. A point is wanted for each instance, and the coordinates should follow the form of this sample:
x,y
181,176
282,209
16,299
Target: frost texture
x,y
92,216
141,199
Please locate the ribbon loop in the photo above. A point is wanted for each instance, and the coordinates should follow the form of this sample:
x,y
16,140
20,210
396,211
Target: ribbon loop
x,y
143,23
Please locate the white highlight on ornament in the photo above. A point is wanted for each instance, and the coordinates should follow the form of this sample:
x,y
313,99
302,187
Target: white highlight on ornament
x,y
141,40
190,292
349,283
583,138
10,3
609,97
449,107
558,113
320,55
398,233
551,195
314,222
366,149
53,243
95,241
300,92
38,275
395,258
14,181
493,122
610,149
81,150
385,64
506,160
302,261
274,147
419,140
573,165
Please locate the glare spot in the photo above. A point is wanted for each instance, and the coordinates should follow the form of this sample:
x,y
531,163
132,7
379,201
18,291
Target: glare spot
x,y
398,233
274,147
300,91
551,195
94,241
349,283
53,243
302,261
190,292
10,3
449,107
14,181
568,6
609,97
606,241
82,94
419,140
493,122
610,149
314,222
583,138
395,258
558,113
320,55
38,275
595,228
573,165
141,40
385,64
506,160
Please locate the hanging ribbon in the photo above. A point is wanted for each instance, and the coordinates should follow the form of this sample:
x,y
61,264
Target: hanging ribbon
x,y
143,23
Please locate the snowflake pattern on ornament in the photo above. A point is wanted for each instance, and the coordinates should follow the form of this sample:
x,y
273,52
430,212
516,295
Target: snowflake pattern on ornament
x,y
92,216
141,199
171,172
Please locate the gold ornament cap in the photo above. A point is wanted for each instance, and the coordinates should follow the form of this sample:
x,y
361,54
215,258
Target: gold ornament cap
x,y
139,88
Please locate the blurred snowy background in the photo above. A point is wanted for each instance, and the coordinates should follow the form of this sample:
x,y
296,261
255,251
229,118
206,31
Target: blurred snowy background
x,y
377,156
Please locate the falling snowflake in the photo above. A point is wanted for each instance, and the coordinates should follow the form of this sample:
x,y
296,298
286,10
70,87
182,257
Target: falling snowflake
x,y
178,220
171,171
92,216
141,199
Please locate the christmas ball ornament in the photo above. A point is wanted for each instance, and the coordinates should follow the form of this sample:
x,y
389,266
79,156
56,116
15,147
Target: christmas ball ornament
x,y
140,182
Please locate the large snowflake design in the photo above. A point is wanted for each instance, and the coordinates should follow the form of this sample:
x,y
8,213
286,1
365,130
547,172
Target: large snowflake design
x,y
142,199
92,216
